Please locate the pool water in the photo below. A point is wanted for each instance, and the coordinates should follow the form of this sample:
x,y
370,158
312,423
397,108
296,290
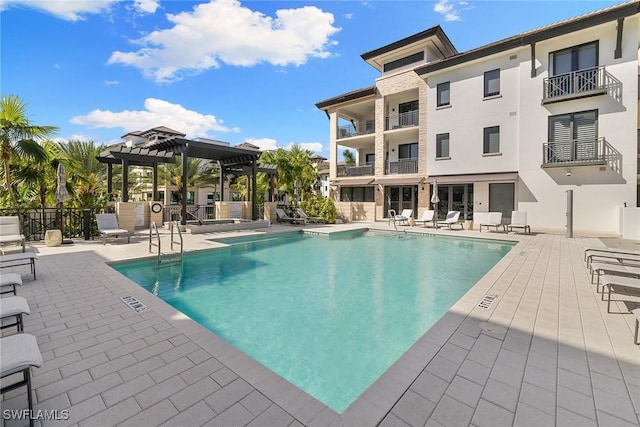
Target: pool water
x,y
328,314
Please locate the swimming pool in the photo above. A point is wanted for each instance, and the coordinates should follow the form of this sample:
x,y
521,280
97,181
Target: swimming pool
x,y
329,314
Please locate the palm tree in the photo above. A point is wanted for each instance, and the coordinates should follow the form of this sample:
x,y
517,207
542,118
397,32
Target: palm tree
x,y
200,172
18,139
86,173
292,165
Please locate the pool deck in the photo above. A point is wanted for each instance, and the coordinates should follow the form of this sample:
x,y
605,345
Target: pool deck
x,y
543,351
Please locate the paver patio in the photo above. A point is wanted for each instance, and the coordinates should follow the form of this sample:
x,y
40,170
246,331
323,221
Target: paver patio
x,y
547,353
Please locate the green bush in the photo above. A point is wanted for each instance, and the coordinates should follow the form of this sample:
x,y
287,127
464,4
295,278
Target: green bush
x,y
323,207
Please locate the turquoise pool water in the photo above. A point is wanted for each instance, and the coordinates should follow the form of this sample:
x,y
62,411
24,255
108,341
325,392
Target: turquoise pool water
x,y
328,314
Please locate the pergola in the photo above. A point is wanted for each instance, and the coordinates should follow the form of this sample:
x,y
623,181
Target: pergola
x,y
134,156
231,160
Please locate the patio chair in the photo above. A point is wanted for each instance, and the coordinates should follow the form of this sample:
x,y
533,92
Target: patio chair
x,y
24,258
428,216
600,268
9,280
636,314
18,353
13,307
108,227
587,251
519,220
453,217
494,219
10,231
403,218
620,258
308,219
281,216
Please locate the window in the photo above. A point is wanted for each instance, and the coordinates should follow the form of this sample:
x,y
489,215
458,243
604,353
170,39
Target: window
x,y
408,151
575,58
416,57
443,94
491,140
357,194
370,158
492,83
573,136
442,145
212,197
408,113
161,196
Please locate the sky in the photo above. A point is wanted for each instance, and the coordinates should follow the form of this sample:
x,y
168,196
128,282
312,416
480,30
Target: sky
x,y
234,71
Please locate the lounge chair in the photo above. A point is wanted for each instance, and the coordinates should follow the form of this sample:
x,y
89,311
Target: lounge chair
x,y
18,353
428,216
621,258
587,251
519,220
24,258
108,227
13,307
494,219
404,216
601,268
281,216
636,314
8,283
308,219
10,231
453,217
617,284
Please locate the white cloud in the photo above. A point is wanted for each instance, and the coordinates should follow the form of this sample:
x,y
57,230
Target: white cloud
x,y
225,32
263,143
68,10
111,82
146,6
157,112
348,16
450,10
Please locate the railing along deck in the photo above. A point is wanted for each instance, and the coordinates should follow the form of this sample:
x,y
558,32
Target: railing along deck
x,y
577,151
590,81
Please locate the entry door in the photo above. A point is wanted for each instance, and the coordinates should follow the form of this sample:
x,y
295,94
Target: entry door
x,y
400,198
455,198
501,199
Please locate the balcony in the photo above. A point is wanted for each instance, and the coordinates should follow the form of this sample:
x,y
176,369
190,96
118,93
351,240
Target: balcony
x,y
356,129
577,84
402,166
360,169
402,120
577,152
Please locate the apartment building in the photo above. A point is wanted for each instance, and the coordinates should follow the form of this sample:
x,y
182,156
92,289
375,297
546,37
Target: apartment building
x,y
512,125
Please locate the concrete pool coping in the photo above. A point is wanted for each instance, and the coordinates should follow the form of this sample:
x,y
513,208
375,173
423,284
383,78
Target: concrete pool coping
x,y
443,355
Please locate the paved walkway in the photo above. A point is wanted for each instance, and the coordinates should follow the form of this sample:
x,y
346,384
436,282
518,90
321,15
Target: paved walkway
x,y
543,352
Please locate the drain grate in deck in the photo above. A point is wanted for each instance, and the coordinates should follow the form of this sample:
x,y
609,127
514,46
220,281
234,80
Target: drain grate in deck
x,y
487,301
133,303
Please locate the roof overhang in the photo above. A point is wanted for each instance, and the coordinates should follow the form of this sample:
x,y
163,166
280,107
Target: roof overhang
x,y
136,156
396,180
357,94
351,182
473,178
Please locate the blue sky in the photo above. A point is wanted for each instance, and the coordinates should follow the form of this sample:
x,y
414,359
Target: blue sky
x,y
224,69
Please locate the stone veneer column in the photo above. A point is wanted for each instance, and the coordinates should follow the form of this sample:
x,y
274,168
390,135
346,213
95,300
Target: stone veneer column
x,y
125,211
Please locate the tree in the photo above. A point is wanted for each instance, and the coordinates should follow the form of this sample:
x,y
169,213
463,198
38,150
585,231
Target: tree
x,y
349,158
86,174
294,165
200,172
18,139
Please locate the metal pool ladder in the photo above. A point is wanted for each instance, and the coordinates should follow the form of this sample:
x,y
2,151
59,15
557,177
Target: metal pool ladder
x,y
153,231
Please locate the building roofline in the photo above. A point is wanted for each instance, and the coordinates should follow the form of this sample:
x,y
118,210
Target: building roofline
x,y
433,31
349,96
570,25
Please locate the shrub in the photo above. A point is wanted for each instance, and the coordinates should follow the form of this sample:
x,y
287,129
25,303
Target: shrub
x,y
323,207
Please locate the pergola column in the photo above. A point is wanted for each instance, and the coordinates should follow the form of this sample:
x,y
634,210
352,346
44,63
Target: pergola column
x,y
154,195
125,180
183,190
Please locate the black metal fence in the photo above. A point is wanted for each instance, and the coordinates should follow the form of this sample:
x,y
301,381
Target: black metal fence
x,y
197,212
72,222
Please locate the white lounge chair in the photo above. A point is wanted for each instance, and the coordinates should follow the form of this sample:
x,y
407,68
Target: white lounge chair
x,y
308,219
601,268
617,284
404,216
453,217
519,220
108,227
428,216
18,353
587,251
282,216
494,219
10,231
24,258
13,307
621,258
9,280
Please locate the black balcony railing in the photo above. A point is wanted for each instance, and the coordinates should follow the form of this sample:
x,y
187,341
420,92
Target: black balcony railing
x,y
360,169
590,81
402,166
402,120
356,129
577,151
